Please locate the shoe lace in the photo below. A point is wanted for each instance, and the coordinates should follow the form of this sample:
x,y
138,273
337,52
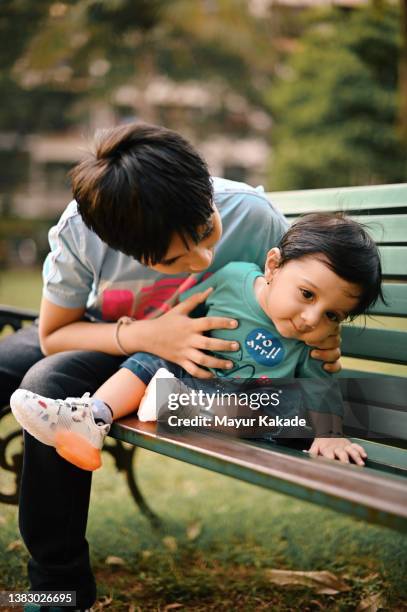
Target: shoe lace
x,y
76,402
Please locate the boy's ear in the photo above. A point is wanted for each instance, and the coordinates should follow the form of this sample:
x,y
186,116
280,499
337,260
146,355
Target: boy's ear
x,y
272,262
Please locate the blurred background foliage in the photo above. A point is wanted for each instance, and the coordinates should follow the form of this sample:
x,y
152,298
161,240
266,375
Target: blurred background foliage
x,y
290,94
336,109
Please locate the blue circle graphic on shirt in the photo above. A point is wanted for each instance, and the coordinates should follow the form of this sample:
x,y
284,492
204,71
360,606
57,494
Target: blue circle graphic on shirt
x,y
264,348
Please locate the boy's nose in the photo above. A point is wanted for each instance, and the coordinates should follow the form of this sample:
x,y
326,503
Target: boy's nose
x,y
200,259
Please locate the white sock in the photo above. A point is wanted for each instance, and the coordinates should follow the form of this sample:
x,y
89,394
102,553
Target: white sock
x,y
148,406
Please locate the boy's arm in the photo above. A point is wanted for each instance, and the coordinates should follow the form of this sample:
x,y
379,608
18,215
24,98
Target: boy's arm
x,y
174,336
62,329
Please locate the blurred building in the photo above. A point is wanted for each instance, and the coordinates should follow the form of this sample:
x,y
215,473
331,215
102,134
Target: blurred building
x,y
239,151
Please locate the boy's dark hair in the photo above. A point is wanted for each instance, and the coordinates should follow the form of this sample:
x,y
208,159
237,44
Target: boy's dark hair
x,y
347,248
142,184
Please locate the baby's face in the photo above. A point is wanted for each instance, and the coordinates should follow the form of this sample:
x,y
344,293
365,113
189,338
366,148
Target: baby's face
x,y
306,300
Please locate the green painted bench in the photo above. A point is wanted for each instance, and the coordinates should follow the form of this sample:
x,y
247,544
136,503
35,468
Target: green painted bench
x,y
375,396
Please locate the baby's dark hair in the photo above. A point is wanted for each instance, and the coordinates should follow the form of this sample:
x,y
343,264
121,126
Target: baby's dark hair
x,y
346,248
142,184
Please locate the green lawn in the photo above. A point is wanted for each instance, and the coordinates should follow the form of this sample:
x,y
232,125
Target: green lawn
x,y
21,288
221,537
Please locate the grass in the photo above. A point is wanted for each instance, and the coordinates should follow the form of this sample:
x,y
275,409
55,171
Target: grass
x,y
21,287
220,539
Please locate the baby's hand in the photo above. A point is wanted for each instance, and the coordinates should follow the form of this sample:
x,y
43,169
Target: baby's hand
x,y
338,448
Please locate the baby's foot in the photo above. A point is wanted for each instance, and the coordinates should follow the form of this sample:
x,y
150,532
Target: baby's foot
x,y
68,425
148,409
154,404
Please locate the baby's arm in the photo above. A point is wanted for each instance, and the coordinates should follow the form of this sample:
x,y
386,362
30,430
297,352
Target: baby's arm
x,y
325,414
338,448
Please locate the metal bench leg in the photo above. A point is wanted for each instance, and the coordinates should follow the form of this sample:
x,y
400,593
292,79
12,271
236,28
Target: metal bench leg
x,y
124,458
11,462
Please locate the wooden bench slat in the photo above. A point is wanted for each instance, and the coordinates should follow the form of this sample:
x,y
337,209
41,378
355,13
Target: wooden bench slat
x,y
363,493
347,199
383,229
394,260
373,421
383,455
396,298
378,344
389,393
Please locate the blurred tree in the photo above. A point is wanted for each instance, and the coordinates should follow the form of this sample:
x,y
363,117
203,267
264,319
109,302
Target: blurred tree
x,y
23,109
67,52
91,47
336,107
403,77
221,39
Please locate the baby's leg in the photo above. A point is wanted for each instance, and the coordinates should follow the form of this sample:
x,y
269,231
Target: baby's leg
x,y
77,427
122,392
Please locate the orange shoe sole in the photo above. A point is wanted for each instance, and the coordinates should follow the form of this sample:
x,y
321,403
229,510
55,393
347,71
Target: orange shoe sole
x,y
77,450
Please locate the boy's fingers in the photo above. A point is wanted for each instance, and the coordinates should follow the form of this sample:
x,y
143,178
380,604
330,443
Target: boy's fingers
x,y
209,361
333,367
192,302
215,344
327,355
195,370
327,344
207,323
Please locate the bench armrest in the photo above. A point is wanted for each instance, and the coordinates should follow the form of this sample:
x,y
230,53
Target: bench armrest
x,y
9,315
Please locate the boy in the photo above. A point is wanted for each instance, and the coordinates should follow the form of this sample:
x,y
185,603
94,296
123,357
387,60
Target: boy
x,y
144,195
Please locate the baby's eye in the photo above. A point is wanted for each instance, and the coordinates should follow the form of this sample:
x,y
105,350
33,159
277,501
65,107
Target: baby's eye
x,y
308,295
333,317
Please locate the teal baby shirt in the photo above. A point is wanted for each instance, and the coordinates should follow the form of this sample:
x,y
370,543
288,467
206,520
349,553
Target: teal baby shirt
x,y
263,352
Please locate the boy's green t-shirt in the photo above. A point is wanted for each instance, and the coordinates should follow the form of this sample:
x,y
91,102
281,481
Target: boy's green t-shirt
x,y
263,352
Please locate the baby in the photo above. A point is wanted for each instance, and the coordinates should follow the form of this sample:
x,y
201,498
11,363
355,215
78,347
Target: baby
x,y
325,270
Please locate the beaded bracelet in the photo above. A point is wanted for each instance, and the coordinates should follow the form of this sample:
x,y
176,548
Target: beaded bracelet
x,y
120,322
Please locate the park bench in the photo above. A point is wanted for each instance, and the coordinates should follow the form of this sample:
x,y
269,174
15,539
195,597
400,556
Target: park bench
x,y
373,381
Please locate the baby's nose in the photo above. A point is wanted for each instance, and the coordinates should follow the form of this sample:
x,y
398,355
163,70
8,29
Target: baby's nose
x,y
311,318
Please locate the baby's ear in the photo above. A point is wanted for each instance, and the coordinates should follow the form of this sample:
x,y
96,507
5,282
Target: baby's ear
x,y
272,262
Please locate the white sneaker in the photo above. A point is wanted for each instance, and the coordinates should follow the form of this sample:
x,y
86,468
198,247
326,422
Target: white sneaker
x,y
68,425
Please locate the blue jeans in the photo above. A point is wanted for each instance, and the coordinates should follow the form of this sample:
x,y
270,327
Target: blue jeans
x,y
145,365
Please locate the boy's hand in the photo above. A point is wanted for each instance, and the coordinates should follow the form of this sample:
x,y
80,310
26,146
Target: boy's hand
x,y
338,448
180,339
327,350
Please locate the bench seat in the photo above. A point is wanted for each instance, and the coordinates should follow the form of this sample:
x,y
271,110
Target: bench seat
x,y
376,493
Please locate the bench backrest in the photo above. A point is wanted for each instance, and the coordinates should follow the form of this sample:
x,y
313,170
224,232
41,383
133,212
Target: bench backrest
x,y
375,348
